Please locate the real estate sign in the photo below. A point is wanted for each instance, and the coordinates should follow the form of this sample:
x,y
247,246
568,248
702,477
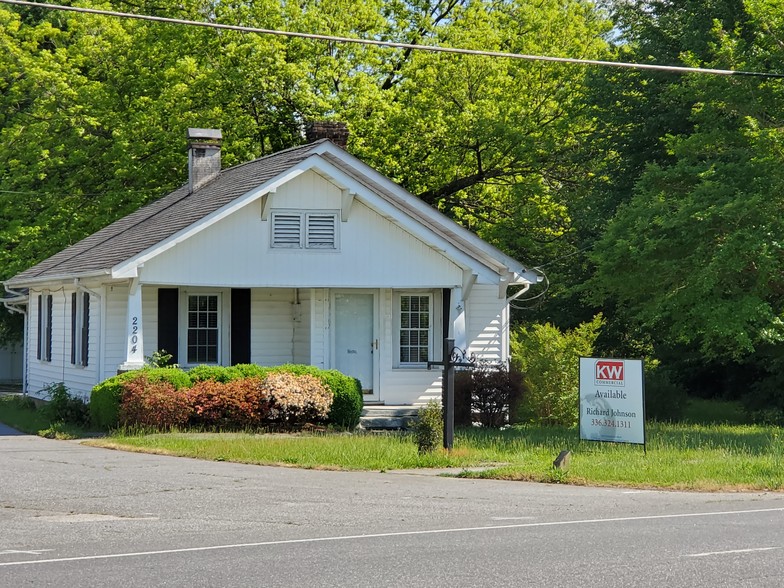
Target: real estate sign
x,y
612,400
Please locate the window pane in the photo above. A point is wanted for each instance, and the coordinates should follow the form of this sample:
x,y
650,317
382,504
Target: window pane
x,y
414,329
203,327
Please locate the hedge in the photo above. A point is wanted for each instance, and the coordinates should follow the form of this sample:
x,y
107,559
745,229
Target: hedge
x,y
105,397
344,412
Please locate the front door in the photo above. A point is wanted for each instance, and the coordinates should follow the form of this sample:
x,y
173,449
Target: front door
x,y
354,338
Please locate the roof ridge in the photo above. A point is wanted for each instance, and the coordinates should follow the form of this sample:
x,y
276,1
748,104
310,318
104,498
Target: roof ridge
x,y
151,211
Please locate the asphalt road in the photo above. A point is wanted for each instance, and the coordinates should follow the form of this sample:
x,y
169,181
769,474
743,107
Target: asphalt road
x,y
72,515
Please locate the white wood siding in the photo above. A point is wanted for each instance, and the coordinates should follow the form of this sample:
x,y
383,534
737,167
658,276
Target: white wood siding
x,y
487,324
272,326
302,326
236,252
319,342
150,320
116,301
78,379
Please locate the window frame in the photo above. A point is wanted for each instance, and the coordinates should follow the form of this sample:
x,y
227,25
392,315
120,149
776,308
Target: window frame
x,y
306,232
218,328
398,322
45,313
80,328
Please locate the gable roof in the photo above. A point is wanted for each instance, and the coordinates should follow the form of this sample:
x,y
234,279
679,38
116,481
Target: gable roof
x,y
158,221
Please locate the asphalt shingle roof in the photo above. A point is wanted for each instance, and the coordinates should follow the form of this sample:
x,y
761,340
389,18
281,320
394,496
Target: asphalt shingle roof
x,y
163,218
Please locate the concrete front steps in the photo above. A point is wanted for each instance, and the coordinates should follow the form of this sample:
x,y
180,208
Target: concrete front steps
x,y
379,417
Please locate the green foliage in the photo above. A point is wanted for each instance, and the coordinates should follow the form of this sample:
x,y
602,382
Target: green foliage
x,y
64,407
665,400
549,360
429,427
160,359
214,373
106,396
491,394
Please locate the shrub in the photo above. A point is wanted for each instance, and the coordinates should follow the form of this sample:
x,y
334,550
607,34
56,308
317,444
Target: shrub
x,y
496,395
295,400
549,361
64,407
154,404
213,373
347,399
238,404
105,397
251,370
463,410
429,427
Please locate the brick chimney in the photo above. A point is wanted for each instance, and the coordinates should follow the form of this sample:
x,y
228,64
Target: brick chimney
x,y
335,131
204,156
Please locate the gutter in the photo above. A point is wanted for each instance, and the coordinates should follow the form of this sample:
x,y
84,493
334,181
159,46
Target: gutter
x,y
56,278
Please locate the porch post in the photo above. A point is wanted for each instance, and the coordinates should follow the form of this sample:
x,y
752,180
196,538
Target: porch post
x,y
457,319
134,356
448,393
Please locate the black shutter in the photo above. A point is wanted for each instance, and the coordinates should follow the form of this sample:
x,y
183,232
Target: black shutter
x,y
85,328
168,335
445,312
48,327
40,324
73,327
240,326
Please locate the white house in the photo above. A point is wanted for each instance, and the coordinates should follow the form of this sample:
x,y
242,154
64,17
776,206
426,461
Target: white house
x,y
304,256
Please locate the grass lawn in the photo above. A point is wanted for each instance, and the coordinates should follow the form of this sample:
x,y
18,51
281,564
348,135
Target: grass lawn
x,y
684,456
679,456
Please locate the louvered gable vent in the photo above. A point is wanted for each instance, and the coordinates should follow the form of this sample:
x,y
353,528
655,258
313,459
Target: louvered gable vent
x,y
286,230
297,230
321,231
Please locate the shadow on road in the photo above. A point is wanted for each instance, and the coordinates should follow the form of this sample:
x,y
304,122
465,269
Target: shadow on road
x,y
6,431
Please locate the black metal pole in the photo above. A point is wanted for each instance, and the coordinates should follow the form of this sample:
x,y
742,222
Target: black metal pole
x,y
448,394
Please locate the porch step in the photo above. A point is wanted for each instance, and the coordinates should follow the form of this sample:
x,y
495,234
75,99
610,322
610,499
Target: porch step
x,y
384,417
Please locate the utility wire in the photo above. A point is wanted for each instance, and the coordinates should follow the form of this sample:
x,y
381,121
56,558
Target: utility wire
x,y
374,42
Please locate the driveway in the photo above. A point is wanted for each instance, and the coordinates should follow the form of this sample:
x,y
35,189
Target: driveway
x,y
73,515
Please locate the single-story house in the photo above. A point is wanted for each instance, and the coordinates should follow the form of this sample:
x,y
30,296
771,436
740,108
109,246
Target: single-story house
x,y
304,256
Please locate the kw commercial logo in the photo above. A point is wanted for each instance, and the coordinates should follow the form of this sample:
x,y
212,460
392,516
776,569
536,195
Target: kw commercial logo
x,y
609,373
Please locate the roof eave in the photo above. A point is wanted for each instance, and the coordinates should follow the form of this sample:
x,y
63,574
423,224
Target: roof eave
x,y
14,283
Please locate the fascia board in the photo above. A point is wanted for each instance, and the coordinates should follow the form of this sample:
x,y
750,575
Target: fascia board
x,y
55,280
129,268
490,256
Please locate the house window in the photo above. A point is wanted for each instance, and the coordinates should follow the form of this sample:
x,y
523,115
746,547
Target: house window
x,y
45,327
203,328
304,230
80,324
415,329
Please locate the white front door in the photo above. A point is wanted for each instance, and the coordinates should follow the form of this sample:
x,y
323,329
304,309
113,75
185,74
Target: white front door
x,y
355,341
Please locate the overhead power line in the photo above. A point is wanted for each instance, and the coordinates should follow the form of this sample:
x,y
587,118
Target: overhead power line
x,y
395,45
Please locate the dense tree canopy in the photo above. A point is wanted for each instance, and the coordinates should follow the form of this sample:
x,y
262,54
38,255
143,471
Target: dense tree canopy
x,y
652,197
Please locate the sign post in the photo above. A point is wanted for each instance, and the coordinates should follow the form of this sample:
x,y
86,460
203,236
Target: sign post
x,y
612,400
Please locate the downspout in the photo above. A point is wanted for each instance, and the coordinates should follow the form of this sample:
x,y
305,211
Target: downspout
x,y
12,307
519,293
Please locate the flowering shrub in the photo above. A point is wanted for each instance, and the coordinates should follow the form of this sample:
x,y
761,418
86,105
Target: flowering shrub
x,y
296,400
237,404
155,404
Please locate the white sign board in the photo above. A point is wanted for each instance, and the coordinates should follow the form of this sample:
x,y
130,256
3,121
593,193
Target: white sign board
x,y
612,400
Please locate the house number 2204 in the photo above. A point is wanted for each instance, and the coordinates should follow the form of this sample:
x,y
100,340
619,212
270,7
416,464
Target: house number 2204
x,y
134,333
